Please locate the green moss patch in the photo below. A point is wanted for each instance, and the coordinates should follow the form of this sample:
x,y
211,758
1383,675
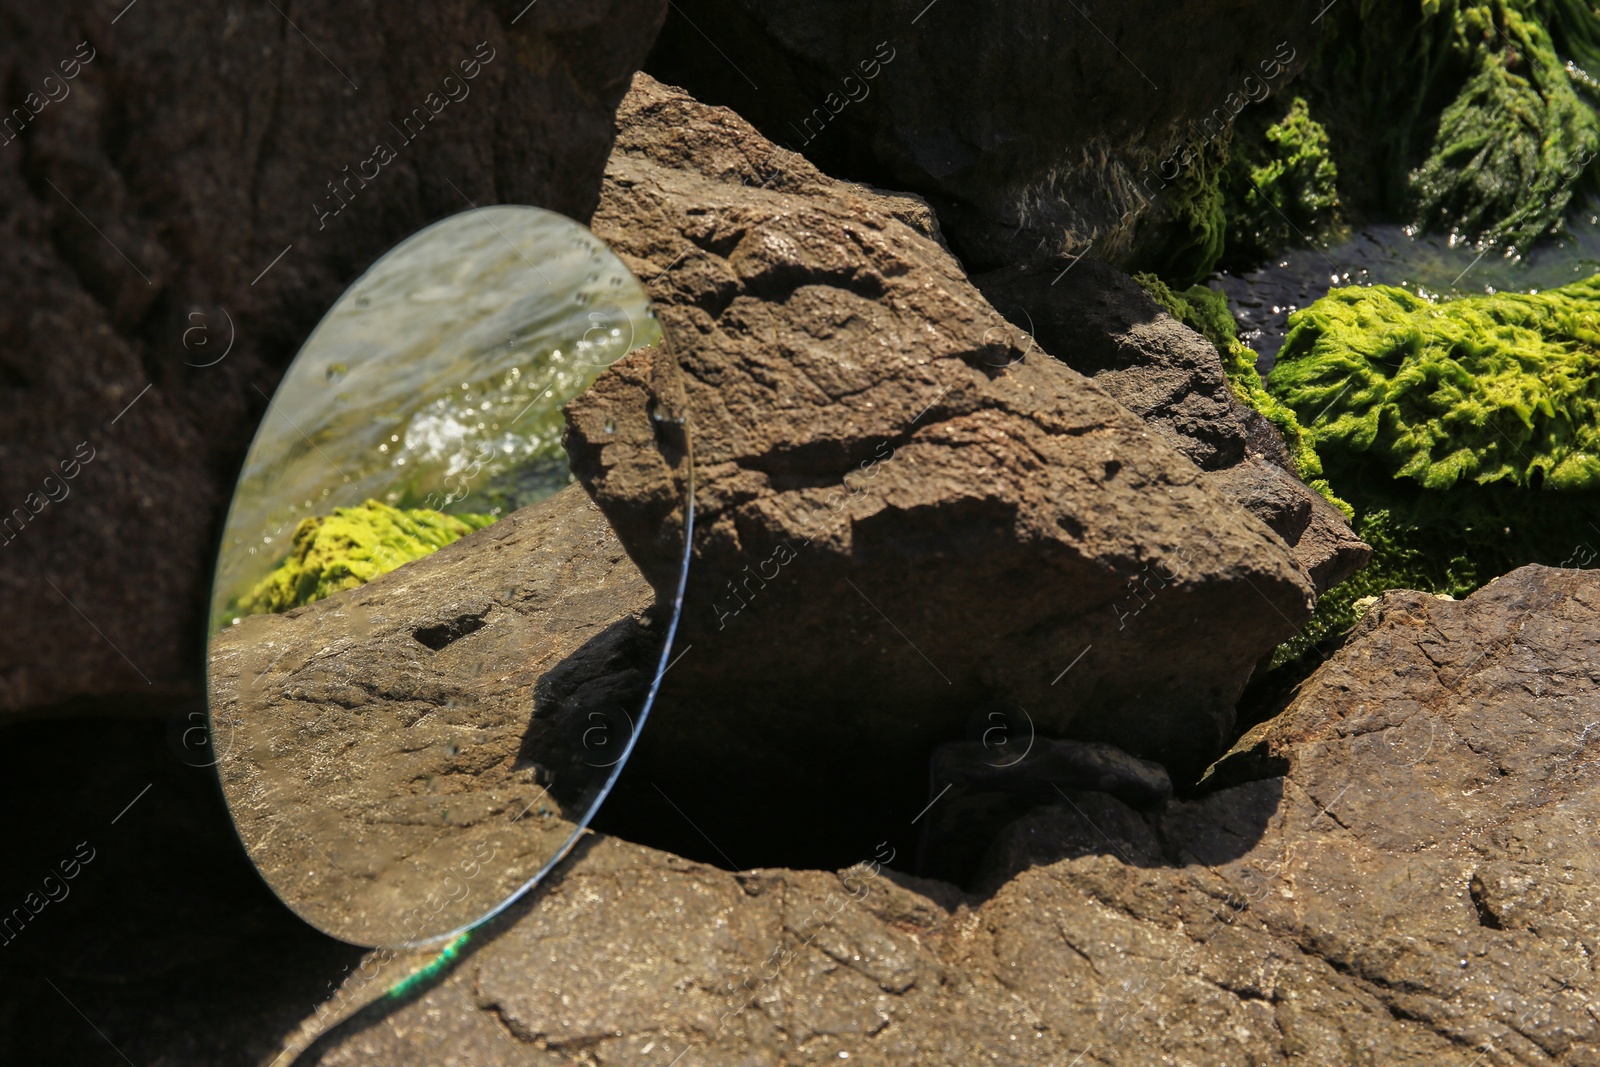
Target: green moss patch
x,y
350,548
1464,433
1486,389
1474,116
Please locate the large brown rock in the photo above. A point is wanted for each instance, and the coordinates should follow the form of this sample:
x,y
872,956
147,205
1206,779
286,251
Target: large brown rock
x,y
167,206
1036,125
1416,888
901,512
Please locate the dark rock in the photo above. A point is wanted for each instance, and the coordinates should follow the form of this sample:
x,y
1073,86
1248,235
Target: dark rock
x,y
976,788
167,208
1103,324
902,513
1037,126
163,946
1416,888
1263,439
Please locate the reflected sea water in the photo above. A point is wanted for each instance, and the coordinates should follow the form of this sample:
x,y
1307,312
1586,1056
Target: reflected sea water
x,y
436,386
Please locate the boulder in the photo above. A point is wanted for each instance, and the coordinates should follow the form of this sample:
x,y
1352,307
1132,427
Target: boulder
x,y
1103,324
1412,884
177,219
1319,534
902,512
1036,126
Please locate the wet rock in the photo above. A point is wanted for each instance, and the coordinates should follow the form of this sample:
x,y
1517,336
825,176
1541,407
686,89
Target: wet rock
x,y
902,512
1413,885
172,236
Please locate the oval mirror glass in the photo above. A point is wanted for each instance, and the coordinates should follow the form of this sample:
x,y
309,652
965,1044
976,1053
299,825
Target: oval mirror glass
x,y
429,654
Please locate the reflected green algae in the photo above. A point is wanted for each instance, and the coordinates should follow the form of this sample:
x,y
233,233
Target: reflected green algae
x,y
436,382
349,548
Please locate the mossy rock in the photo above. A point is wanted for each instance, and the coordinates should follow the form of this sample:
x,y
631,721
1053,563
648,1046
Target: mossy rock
x,y
1206,312
1485,389
1465,434
350,548
1184,234
1471,116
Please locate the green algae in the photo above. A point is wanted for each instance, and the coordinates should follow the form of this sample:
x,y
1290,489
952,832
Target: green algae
x,y
1471,116
1206,312
351,547
1184,234
1268,183
1463,432
1281,183
1483,389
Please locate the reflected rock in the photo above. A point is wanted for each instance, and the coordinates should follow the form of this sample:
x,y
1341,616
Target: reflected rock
x,y
401,756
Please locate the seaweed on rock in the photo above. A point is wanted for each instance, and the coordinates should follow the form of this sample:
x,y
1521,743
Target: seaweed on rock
x,y
1465,433
1484,389
350,548
1476,116
1281,183
1184,235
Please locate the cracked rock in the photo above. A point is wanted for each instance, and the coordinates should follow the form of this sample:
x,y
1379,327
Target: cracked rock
x,y
1413,884
903,512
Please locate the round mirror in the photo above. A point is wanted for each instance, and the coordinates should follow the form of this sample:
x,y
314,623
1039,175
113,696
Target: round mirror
x,y
429,654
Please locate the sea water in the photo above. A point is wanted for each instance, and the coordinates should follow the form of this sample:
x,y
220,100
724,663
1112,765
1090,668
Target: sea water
x,y
1438,267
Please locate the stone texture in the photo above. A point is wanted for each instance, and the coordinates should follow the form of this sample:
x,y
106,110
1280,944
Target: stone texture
x,y
141,214
1103,324
1030,121
400,757
165,947
1415,886
1322,540
901,513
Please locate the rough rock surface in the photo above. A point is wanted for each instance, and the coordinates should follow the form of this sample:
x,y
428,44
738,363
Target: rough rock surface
x,y
166,207
1102,323
1416,888
1031,121
164,946
902,514
1321,537
441,726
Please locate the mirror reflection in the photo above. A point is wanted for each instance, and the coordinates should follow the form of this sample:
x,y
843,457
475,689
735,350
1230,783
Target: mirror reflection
x,y
429,653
